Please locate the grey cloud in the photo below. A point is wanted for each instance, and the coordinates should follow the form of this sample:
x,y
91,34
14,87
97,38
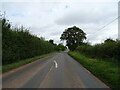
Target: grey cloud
x,y
42,29
50,20
84,17
55,33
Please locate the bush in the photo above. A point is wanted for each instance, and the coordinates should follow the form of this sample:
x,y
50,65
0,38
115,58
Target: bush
x,y
18,44
110,49
106,71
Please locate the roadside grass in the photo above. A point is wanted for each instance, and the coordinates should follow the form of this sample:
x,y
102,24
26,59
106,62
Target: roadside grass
x,y
14,65
106,71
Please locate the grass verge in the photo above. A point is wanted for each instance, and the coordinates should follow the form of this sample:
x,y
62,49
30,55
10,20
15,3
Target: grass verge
x,y
14,65
106,71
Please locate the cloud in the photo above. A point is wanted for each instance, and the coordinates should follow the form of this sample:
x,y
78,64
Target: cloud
x,y
99,36
50,19
84,15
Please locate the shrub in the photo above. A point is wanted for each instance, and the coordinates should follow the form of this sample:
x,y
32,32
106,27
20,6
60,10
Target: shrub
x,y
110,49
18,44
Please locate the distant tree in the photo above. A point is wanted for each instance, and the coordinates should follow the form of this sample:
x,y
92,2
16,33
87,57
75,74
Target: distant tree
x,y
73,36
42,38
61,47
109,40
51,41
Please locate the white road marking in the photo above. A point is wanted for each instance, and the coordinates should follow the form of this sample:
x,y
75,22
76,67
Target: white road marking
x,y
56,65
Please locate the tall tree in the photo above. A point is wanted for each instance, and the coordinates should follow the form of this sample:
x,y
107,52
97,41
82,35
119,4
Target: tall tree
x,y
74,37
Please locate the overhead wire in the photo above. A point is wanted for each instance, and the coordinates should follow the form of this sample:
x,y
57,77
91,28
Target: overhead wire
x,y
104,27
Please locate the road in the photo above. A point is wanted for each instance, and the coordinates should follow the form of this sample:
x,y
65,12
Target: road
x,y
55,71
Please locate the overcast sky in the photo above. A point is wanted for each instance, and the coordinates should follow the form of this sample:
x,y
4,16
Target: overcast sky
x,y
50,19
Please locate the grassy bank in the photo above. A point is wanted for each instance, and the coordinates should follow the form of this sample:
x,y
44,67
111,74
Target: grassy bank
x,y
9,67
106,71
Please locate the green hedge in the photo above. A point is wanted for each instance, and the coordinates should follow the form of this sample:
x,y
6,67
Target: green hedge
x,y
109,50
104,70
18,44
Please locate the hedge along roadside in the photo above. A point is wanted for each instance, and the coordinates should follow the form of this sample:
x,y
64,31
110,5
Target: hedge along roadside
x,y
18,44
14,65
106,71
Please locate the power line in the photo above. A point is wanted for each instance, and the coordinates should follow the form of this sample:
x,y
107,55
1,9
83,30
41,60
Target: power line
x,y
106,25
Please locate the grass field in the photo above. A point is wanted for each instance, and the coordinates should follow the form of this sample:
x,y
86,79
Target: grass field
x,y
108,72
9,67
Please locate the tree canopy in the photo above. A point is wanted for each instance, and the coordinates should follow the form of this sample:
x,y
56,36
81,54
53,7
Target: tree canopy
x,y
74,37
51,41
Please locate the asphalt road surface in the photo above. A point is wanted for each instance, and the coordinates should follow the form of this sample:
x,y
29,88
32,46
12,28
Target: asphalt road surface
x,y
55,71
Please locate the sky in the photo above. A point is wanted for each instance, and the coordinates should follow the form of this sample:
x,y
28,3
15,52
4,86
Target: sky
x,y
50,18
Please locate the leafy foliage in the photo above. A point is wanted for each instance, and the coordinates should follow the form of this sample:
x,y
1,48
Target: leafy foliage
x,y
18,44
106,71
60,47
51,41
73,36
107,50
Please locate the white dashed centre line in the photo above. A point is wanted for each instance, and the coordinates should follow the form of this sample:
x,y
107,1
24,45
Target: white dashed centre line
x,y
56,65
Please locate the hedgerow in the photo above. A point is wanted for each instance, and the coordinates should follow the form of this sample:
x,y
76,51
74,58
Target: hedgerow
x,y
19,44
109,50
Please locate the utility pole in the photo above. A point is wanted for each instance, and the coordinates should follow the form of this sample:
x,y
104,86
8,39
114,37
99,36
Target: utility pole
x,y
119,20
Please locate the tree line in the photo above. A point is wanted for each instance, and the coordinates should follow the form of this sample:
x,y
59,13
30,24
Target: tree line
x,y
19,44
108,50
74,36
